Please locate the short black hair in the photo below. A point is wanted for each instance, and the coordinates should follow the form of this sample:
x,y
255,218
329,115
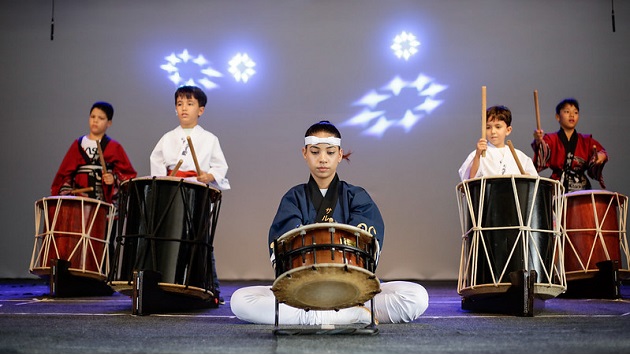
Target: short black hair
x,y
105,107
566,102
191,92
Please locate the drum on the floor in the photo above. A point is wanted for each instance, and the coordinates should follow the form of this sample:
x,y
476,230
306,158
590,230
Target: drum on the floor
x,y
510,223
75,229
594,227
325,266
167,225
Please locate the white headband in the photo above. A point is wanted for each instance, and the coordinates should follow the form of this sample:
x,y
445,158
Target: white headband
x,y
316,140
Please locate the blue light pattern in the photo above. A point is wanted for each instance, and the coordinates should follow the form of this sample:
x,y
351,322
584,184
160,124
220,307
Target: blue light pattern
x,y
242,67
185,69
405,45
417,98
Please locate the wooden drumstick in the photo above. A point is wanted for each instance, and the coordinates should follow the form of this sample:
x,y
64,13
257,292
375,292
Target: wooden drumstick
x,y
179,163
192,151
101,157
537,110
483,116
82,190
518,162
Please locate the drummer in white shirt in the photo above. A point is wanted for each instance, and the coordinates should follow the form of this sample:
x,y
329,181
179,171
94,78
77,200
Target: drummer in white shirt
x,y
203,161
190,102
498,159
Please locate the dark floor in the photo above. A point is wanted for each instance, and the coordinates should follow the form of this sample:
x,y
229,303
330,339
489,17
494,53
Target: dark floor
x,y
33,322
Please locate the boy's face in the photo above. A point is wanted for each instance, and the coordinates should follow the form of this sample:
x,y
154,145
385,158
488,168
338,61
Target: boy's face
x,y
188,111
568,117
98,122
322,159
496,131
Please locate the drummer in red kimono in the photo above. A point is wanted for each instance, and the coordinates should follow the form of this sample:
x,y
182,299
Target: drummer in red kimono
x,y
570,155
95,165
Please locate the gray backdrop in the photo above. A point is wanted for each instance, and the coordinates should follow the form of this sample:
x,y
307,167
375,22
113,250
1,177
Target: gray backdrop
x,y
315,59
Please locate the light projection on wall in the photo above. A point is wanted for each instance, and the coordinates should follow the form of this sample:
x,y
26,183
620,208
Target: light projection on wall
x,y
405,45
186,69
398,103
242,67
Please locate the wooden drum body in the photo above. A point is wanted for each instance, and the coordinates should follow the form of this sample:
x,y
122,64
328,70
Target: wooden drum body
x,y
167,225
510,223
75,229
325,266
594,227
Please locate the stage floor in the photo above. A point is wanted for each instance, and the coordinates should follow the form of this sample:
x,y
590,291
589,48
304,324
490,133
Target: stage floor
x,y
33,322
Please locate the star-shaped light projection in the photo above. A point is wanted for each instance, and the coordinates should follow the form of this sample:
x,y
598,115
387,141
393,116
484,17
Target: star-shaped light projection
x,y
398,103
242,67
405,45
185,69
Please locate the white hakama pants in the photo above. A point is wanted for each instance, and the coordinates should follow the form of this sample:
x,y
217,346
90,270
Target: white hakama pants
x,y
398,302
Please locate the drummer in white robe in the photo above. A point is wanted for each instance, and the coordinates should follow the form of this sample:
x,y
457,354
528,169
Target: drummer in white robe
x,y
498,159
190,102
173,146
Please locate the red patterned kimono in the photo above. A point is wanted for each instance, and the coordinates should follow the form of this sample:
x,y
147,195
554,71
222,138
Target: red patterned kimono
x,y
570,161
78,170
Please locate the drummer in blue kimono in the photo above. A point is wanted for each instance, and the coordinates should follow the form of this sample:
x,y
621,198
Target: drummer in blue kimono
x,y
498,159
326,198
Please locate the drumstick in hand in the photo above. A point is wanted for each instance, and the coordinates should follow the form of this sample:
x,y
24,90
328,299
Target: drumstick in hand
x,y
537,110
518,162
81,190
101,157
179,163
192,151
595,156
483,116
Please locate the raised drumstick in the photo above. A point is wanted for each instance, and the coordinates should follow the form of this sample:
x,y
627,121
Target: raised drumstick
x,y
518,162
537,110
192,151
179,163
483,116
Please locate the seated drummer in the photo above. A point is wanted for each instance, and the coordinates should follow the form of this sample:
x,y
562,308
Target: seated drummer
x,y
325,198
498,160
81,172
190,103
570,155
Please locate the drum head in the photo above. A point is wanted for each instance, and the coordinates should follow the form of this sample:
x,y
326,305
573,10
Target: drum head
x,y
326,286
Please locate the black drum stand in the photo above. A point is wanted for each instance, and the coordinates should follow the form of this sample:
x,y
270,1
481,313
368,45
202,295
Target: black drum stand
x,y
518,300
324,329
65,284
148,297
603,284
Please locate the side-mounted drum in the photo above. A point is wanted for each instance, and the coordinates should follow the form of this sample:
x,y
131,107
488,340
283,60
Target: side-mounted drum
x,y
75,229
510,223
594,227
167,226
325,266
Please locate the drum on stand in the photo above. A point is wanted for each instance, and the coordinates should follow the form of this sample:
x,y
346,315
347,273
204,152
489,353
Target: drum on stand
x,y
325,266
510,224
74,229
594,227
167,227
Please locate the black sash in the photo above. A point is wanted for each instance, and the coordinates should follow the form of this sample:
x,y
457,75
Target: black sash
x,y
92,168
573,180
324,205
